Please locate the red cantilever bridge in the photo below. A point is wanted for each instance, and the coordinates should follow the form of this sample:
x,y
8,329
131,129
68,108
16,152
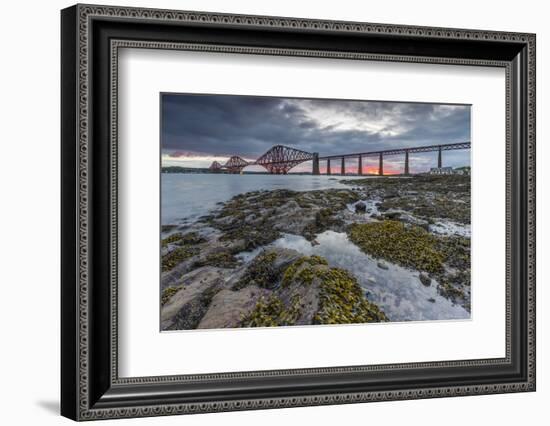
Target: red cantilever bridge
x,y
280,159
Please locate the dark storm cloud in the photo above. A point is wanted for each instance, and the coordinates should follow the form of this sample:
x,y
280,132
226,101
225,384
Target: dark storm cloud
x,y
218,125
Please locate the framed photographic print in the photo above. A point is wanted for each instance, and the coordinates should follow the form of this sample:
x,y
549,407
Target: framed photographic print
x,y
263,212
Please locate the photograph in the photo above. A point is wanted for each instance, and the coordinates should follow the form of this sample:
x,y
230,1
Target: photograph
x,y
283,211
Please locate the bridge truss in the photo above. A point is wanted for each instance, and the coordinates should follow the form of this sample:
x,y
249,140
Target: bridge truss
x,y
235,164
280,159
215,166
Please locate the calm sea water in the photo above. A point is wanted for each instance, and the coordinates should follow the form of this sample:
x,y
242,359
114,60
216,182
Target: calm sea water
x,y
186,197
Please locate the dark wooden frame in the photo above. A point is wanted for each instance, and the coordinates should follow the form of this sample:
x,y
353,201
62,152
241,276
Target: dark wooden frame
x,y
90,386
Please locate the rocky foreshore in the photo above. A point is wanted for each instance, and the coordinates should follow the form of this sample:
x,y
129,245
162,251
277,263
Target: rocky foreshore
x,y
225,270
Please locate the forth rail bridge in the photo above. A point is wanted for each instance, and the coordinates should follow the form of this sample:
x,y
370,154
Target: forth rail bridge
x,y
280,159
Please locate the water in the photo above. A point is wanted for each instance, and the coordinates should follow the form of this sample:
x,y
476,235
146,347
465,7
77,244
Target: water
x,y
186,197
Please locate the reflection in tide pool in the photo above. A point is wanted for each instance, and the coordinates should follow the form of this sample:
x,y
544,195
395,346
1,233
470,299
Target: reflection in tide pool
x,y
397,290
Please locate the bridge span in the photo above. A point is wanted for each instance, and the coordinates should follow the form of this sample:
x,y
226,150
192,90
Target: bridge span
x,y
403,151
280,159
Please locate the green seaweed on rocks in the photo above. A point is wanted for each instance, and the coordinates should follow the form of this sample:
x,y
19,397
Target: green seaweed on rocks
x,y
219,259
252,236
425,196
341,300
261,272
191,238
168,293
271,312
171,239
302,270
456,250
429,207
176,256
409,246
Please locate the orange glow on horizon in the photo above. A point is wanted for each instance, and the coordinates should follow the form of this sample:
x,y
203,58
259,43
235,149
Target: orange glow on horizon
x,y
367,170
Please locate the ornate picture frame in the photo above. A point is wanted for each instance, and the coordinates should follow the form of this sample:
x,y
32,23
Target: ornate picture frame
x,y
91,37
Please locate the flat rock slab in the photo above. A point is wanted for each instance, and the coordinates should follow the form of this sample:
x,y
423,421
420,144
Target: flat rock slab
x,y
228,307
186,307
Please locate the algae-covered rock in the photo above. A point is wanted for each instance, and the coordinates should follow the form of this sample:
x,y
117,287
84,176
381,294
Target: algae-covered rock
x,y
409,246
168,293
272,312
342,300
303,270
228,307
221,258
266,268
177,256
425,197
360,207
311,292
425,280
260,217
191,238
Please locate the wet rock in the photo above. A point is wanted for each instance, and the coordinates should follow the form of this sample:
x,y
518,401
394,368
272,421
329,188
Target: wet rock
x,y
360,207
431,299
185,309
425,226
168,228
392,215
266,268
425,280
382,265
229,307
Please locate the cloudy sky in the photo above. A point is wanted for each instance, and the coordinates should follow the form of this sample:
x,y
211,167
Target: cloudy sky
x,y
198,129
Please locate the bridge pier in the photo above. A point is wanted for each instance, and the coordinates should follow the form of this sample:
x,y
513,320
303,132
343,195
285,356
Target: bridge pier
x,y
343,167
439,159
407,162
360,166
381,165
328,166
315,170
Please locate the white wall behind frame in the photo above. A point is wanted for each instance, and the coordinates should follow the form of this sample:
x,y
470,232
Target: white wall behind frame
x,y
143,74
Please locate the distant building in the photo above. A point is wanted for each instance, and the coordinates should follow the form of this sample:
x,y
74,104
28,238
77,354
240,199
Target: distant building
x,y
465,171
441,171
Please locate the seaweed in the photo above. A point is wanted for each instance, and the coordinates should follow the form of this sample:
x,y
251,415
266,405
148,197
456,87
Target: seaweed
x,y
261,272
341,300
219,259
177,256
302,270
409,246
191,238
168,293
271,312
